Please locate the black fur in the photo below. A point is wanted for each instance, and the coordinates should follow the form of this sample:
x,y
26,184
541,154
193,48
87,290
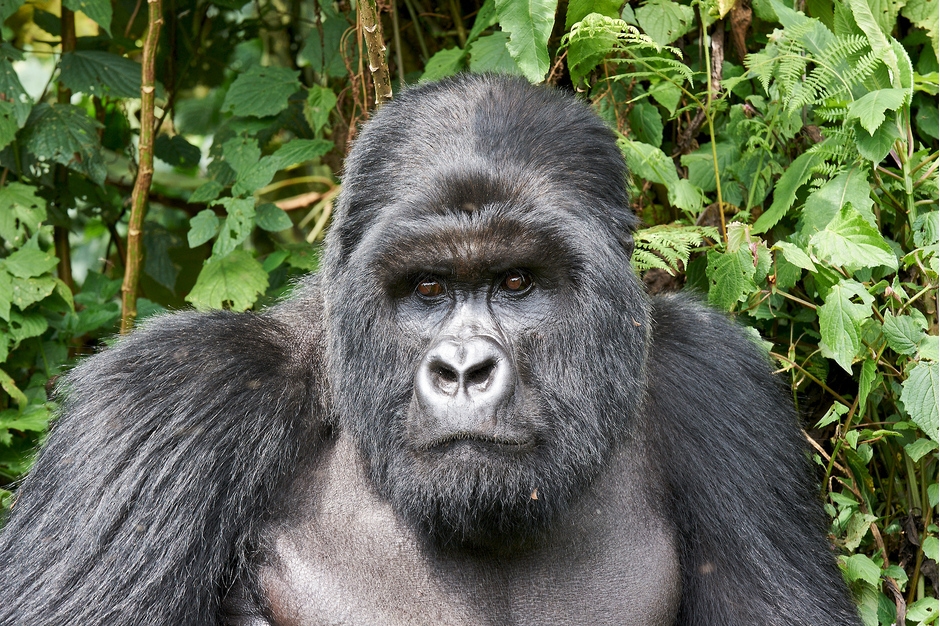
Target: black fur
x,y
183,456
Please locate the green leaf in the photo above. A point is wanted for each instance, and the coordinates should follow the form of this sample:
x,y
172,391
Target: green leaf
x,y
241,153
28,262
665,93
27,291
851,187
927,229
486,17
920,448
299,151
529,24
261,91
98,10
271,218
8,8
785,190
237,226
590,42
840,322
251,180
64,134
870,109
26,325
206,192
9,385
702,166
795,255
686,196
8,125
665,21
851,242
444,63
876,147
834,414
6,297
924,611
880,46
21,212
176,151
865,379
98,73
579,9
235,280
924,14
491,54
861,567
903,333
11,90
647,123
919,396
730,277
319,104
202,227
649,162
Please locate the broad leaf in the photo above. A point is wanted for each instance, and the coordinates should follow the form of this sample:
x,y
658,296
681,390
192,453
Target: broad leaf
x,y
870,109
665,21
319,104
237,226
491,54
851,187
176,151
590,42
730,276
28,262
235,280
579,9
8,125
271,218
850,242
64,134
877,146
300,151
98,10
903,333
444,63
27,291
202,227
98,73
840,322
529,25
206,192
241,153
919,395
923,14
11,90
21,212
261,91
795,255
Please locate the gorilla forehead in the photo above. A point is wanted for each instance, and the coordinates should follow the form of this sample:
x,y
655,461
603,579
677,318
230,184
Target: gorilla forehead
x,y
475,141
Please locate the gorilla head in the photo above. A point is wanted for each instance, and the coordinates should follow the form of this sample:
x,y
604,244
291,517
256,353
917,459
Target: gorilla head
x,y
487,336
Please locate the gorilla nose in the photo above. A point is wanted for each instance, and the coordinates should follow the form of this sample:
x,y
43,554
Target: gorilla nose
x,y
465,379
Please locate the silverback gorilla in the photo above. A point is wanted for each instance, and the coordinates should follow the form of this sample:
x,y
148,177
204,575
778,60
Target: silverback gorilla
x,y
473,414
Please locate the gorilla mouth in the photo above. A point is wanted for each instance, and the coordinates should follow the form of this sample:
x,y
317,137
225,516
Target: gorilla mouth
x,y
476,440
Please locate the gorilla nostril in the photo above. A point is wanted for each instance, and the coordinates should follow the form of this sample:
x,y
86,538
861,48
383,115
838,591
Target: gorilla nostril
x,y
444,373
480,374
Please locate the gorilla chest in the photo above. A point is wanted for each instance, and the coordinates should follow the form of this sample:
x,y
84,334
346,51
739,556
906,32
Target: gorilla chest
x,y
351,560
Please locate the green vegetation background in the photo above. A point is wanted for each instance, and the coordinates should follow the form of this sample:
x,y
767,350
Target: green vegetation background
x,y
783,160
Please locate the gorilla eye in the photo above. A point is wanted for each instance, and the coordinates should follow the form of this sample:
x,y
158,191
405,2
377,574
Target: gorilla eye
x,y
430,288
516,282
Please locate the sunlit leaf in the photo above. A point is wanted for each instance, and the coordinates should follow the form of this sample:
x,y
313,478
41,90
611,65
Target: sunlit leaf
x,y
234,282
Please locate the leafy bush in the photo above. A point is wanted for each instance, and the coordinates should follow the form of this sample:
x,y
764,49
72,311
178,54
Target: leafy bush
x,y
784,163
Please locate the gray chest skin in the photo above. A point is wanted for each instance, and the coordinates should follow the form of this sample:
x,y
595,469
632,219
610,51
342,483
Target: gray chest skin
x,y
342,556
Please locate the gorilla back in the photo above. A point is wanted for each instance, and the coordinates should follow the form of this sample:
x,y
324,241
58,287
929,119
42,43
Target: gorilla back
x,y
473,415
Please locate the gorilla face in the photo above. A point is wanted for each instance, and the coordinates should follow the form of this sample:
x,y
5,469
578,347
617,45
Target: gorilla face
x,y
487,337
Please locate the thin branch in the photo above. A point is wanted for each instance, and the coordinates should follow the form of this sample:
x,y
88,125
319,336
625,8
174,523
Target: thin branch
x,y
378,66
141,193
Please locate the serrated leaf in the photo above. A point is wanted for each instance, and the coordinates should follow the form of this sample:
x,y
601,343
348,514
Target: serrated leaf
x,y
870,109
851,242
237,280
491,54
861,567
785,190
241,153
271,218
21,212
649,162
730,277
444,63
11,90
903,333
666,93
99,73
299,151
927,229
319,104
579,9
851,187
64,134
8,125
237,226
28,262
920,399
206,192
646,122
261,91
529,24
202,227
27,291
9,385
840,322
590,42
924,14
176,151
28,324
920,448
686,196
665,21
98,10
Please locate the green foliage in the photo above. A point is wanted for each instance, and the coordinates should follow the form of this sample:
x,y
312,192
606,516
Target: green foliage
x,y
794,183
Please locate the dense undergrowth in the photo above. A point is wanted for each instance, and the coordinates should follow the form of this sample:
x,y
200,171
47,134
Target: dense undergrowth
x,y
784,164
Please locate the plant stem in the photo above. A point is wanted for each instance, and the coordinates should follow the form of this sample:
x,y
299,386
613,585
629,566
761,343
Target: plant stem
x,y
378,66
141,193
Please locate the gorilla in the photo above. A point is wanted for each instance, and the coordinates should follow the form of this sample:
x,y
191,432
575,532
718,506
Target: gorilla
x,y
472,414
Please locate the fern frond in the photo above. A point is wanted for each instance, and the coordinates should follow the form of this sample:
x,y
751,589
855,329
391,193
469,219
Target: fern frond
x,y
668,245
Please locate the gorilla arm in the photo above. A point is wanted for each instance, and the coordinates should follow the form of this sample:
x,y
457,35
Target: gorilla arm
x,y
145,499
751,531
